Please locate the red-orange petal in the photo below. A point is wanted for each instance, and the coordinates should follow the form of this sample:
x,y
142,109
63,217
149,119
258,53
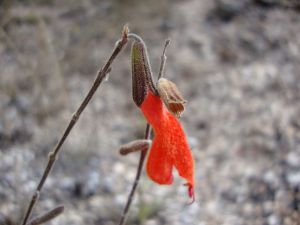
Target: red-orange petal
x,y
159,165
169,148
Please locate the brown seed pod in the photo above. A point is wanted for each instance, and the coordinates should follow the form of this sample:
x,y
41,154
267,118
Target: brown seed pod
x,y
171,96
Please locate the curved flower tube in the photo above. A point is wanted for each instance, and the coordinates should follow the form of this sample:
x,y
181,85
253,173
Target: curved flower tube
x,y
169,147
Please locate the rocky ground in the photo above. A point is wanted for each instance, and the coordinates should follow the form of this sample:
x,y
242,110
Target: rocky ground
x,y
236,62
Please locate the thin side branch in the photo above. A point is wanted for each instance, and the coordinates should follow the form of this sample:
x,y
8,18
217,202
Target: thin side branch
x,y
163,59
54,154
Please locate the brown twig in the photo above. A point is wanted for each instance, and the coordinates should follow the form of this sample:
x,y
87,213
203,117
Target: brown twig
x,y
54,154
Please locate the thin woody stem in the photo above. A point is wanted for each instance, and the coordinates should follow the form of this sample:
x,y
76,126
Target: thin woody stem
x,y
54,154
163,59
137,178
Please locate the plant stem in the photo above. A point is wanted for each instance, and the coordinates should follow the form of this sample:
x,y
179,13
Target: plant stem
x,y
137,178
54,154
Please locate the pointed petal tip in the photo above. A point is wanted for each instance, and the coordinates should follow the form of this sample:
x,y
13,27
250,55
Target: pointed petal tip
x,y
191,193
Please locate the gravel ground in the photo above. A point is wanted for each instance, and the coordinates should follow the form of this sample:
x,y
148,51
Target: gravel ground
x,y
236,62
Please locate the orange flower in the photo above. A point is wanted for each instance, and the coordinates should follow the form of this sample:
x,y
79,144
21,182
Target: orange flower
x,y
169,148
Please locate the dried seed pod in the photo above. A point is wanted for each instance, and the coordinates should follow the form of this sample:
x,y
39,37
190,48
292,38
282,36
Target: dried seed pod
x,y
133,146
171,96
142,81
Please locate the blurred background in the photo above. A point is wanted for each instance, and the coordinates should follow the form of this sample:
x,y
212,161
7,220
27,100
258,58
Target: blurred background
x,y
235,61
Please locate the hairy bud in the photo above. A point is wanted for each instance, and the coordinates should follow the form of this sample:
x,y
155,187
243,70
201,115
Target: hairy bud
x,y
141,73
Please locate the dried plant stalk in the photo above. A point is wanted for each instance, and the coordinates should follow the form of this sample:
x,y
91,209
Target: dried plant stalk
x,y
163,59
54,154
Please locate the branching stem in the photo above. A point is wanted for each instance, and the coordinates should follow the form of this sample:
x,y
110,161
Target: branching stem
x,y
136,180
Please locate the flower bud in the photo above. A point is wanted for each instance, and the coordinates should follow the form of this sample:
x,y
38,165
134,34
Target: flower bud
x,y
141,72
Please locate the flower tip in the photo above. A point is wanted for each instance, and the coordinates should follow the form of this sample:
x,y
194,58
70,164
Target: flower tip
x,y
191,193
